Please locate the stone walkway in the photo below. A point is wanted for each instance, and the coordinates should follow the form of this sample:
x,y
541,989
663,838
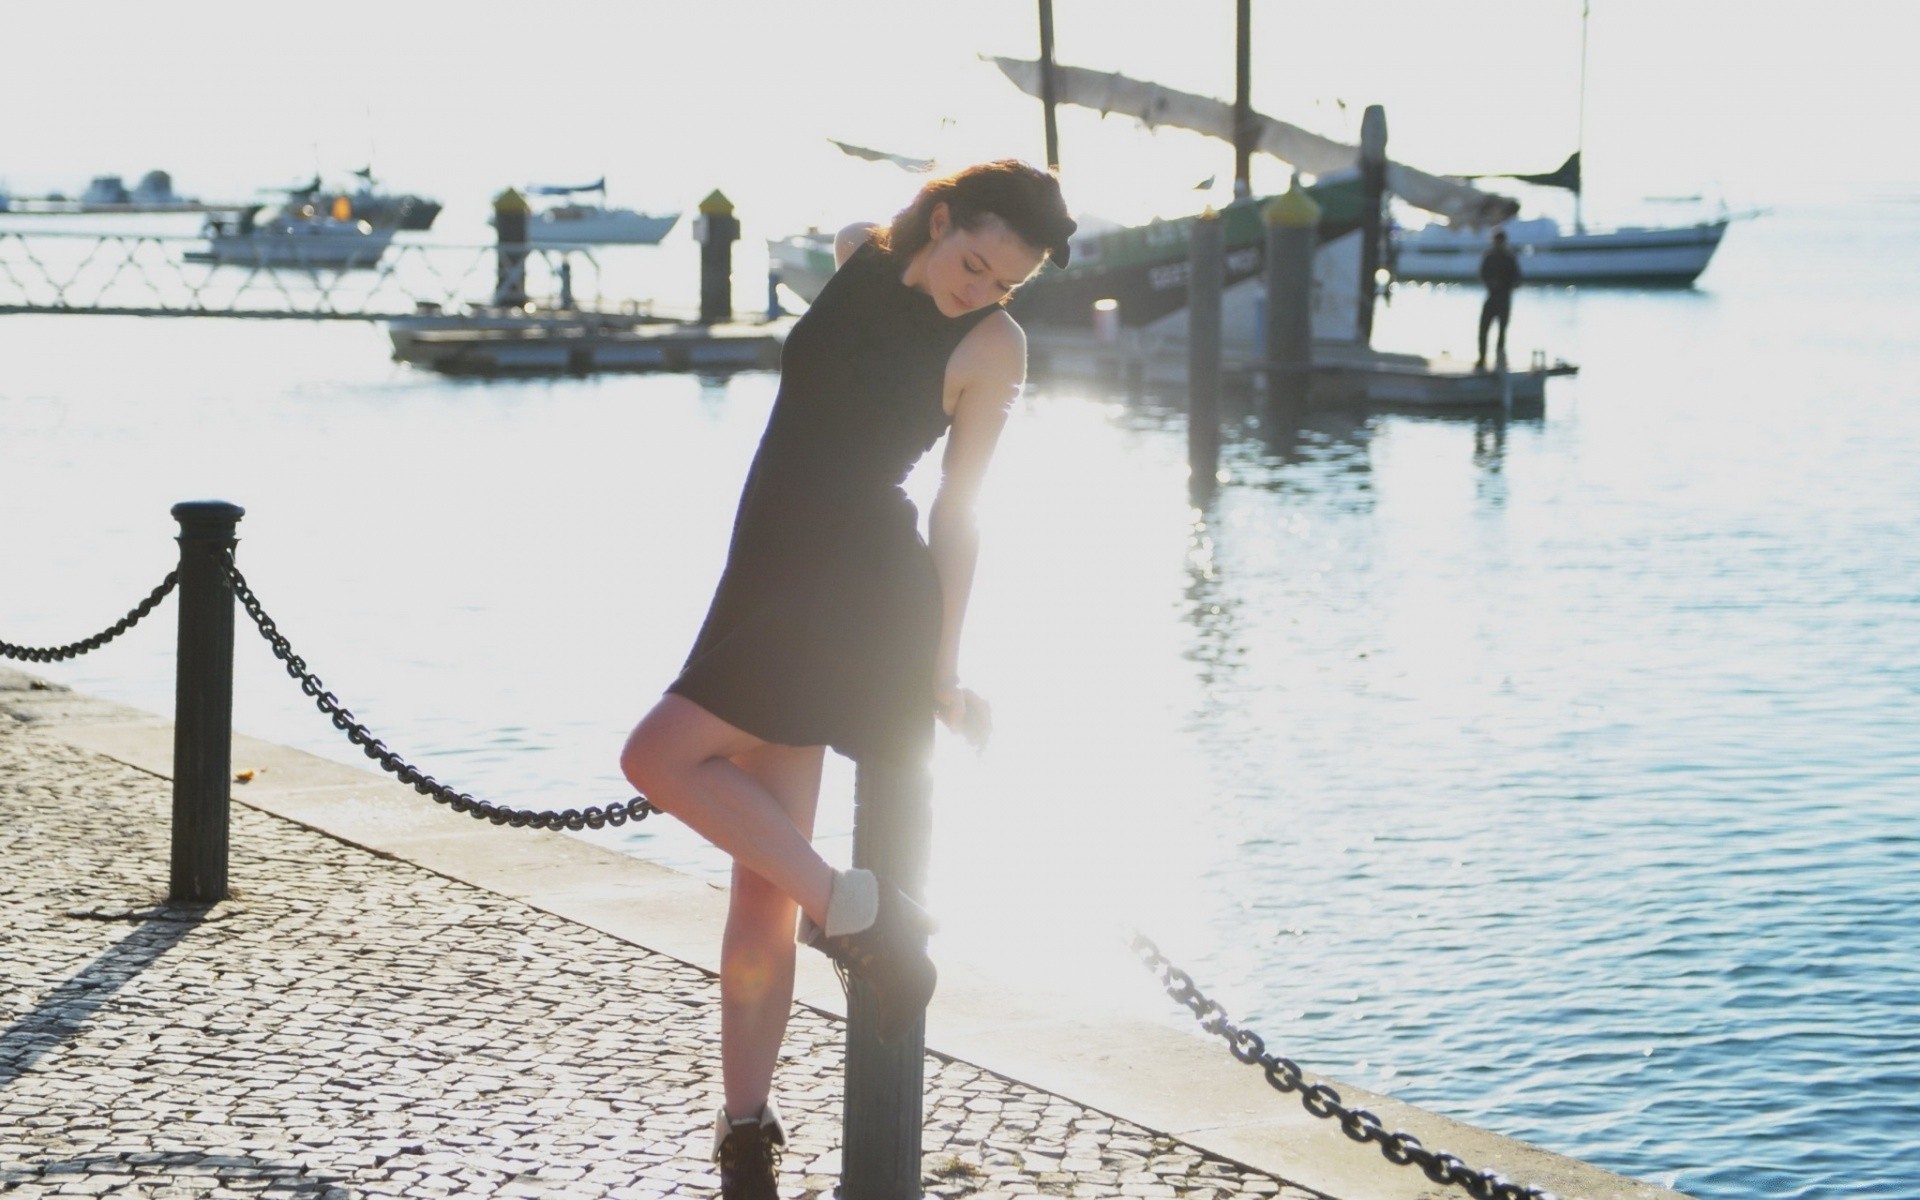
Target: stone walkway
x,y
352,1025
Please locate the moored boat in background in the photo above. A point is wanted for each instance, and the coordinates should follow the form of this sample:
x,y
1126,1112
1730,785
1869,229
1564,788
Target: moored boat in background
x,y
290,239
574,223
382,210
1653,255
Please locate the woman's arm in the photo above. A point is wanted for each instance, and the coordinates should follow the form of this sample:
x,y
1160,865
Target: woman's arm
x,y
991,368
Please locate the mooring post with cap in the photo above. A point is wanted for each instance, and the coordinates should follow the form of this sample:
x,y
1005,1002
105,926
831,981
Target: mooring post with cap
x,y
717,229
203,703
1207,281
510,217
1292,222
885,1084
1373,209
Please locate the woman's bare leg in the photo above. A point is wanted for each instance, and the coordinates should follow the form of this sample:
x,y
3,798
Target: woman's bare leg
x,y
681,756
756,957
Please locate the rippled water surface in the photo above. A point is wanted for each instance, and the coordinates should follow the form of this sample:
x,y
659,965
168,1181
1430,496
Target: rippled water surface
x,y
1560,774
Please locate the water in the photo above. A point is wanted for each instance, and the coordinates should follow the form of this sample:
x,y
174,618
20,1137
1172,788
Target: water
x,y
1556,774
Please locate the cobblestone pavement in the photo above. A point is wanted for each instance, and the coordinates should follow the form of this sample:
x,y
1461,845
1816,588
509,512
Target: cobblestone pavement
x,y
351,1025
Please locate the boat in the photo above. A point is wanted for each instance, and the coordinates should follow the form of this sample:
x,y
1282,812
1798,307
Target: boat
x,y
389,210
298,238
574,341
106,189
382,210
1639,255
1454,198
1120,310
1671,255
156,189
574,223
1143,268
109,195
802,261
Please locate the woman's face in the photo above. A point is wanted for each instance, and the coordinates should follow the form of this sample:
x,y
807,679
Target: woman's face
x,y
970,269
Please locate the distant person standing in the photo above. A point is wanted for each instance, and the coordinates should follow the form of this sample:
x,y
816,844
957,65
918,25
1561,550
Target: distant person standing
x,y
1500,271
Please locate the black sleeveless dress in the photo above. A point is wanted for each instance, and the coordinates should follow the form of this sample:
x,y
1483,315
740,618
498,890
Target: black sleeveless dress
x,y
826,622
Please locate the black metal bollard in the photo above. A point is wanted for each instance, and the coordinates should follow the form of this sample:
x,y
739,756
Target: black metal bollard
x,y
203,703
885,1085
716,231
1207,251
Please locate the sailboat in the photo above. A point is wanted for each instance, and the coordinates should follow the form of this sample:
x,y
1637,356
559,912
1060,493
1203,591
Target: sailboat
x,y
572,222
1143,268
1670,255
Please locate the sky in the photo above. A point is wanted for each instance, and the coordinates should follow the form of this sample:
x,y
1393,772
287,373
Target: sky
x,y
1744,100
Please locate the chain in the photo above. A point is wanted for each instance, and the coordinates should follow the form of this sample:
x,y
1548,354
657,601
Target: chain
x,y
1362,1126
636,809
76,649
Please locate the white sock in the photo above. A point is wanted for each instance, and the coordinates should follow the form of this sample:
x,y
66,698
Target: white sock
x,y
769,1119
854,903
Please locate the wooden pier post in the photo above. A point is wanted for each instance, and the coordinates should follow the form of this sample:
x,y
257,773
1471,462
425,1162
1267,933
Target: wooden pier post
x,y
1293,231
203,704
1243,134
716,231
1373,199
510,212
1047,93
1205,284
885,1084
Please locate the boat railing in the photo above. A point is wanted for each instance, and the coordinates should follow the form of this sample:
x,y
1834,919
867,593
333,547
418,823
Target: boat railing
x,y
152,274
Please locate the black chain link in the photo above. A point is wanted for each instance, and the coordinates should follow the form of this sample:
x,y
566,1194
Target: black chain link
x,y
76,649
1403,1149
636,809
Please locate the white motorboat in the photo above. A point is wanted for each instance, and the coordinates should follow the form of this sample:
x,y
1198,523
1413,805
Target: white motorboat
x,y
1672,255
802,261
291,239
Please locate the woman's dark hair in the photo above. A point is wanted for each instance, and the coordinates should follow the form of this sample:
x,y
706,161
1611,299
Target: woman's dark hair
x,y
1026,198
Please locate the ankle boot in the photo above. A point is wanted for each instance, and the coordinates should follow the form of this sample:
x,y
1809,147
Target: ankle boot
x,y
748,1151
888,956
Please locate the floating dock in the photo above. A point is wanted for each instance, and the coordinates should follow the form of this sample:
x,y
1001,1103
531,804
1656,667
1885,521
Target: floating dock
x,y
1343,373
581,343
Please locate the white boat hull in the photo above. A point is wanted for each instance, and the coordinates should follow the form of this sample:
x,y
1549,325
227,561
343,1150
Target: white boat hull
x,y
1672,256
803,262
331,250
605,227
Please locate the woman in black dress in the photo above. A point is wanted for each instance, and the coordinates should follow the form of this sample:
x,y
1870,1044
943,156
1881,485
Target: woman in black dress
x,y
834,624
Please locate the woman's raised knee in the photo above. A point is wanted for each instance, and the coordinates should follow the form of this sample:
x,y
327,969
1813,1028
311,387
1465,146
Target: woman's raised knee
x,y
652,762
673,739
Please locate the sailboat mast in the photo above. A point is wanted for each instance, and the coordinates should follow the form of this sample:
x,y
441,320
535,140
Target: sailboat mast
x,y
1243,102
1046,83
1580,133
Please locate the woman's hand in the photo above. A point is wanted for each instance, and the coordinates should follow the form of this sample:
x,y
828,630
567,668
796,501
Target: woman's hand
x,y
966,712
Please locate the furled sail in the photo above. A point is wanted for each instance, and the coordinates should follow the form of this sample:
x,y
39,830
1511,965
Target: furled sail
x,y
1566,175
1152,105
918,166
